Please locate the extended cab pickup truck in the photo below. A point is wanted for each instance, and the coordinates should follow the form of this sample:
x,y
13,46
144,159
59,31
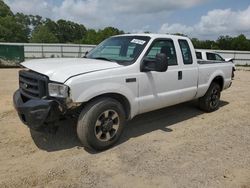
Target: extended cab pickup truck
x,y
122,77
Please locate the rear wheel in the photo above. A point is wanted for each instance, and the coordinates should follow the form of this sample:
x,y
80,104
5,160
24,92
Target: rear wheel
x,y
211,100
100,124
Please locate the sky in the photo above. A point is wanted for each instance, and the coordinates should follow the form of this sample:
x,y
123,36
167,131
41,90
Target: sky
x,y
203,19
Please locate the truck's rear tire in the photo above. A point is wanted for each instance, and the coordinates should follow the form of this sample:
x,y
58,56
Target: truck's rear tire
x,y
211,100
100,124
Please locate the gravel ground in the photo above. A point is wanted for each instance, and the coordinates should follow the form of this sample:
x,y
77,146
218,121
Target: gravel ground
x,y
179,146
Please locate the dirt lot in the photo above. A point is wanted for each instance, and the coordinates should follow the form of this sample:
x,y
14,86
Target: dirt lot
x,y
178,146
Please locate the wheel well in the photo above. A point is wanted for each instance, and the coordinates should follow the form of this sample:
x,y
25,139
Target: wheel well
x,y
219,80
120,98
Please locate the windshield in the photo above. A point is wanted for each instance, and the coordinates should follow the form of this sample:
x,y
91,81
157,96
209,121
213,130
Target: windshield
x,y
121,49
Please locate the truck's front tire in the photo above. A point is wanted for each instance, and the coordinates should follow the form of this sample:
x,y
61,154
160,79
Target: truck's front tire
x,y
100,123
211,100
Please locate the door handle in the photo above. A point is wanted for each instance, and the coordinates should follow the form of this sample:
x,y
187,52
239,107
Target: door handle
x,y
179,75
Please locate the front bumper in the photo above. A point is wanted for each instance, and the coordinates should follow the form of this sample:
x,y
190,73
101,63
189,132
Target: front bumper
x,y
36,113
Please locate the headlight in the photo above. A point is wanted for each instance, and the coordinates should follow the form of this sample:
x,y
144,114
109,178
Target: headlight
x,y
58,90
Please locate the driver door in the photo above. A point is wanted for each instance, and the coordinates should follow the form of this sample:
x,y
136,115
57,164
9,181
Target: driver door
x,y
160,89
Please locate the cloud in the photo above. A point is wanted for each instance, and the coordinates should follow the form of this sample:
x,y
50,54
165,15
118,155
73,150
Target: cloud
x,y
37,7
77,10
149,6
88,6
139,15
215,23
125,14
176,28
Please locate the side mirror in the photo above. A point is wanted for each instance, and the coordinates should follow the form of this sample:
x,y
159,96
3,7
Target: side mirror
x,y
159,64
85,54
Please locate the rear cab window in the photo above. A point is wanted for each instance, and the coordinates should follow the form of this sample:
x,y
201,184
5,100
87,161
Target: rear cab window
x,y
186,52
198,55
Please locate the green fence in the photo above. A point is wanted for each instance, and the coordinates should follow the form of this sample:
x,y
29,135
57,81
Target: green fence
x,y
11,55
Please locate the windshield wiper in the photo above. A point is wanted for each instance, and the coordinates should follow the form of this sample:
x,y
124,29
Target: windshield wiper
x,y
103,58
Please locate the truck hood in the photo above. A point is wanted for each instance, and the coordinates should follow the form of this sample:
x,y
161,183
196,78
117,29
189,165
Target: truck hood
x,y
60,69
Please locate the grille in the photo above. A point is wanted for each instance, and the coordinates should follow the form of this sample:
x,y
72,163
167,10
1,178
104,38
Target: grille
x,y
32,85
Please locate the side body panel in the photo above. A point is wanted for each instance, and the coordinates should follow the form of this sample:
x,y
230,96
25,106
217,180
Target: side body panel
x,y
161,89
207,72
85,87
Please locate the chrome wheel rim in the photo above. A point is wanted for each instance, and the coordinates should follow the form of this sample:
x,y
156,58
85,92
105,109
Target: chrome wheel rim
x,y
214,98
107,125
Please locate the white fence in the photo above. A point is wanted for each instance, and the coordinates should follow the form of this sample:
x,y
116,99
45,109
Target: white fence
x,y
34,50
55,50
38,50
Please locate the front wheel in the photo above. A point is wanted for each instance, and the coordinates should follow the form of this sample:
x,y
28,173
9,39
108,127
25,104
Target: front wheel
x,y
100,124
211,100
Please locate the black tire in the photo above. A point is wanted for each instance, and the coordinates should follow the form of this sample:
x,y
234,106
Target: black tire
x,y
211,100
101,123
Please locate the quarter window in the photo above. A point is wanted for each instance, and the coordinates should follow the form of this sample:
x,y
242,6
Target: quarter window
x,y
186,52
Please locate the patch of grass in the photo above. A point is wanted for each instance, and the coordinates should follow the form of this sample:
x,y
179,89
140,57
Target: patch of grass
x,y
245,65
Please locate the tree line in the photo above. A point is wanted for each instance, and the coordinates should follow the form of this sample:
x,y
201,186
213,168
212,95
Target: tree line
x,y
35,29
224,43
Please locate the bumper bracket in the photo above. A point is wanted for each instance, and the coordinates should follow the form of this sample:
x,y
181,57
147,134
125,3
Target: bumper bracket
x,y
35,113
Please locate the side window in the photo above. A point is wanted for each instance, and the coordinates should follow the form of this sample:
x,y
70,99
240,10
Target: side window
x,y
219,58
163,46
211,56
186,52
198,55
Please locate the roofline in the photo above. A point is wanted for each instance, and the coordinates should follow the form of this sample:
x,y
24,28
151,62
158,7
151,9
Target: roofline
x,y
153,35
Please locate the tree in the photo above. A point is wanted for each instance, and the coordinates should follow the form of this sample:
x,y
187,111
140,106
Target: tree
x,y
35,21
225,42
90,37
70,32
95,37
240,43
11,30
24,20
52,26
43,35
108,32
5,10
207,44
34,28
197,44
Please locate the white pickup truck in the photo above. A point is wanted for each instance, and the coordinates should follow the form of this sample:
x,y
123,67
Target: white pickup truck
x,y
207,57
122,77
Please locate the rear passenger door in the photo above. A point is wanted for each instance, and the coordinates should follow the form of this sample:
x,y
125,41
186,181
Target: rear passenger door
x,y
189,70
160,89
